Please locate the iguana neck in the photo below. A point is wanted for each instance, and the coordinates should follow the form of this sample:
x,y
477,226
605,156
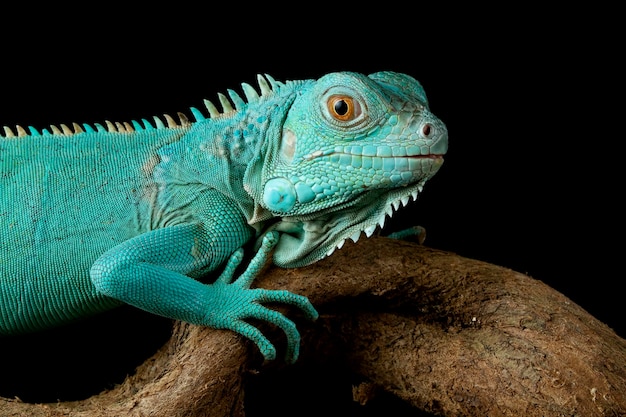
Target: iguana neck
x,y
238,147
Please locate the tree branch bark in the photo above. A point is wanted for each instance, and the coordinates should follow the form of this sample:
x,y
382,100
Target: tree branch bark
x,y
449,335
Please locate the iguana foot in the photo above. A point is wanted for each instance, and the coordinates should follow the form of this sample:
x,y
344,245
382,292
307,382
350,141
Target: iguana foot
x,y
415,233
232,301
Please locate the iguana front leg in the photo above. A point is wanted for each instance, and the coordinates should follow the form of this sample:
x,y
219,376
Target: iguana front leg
x,y
151,271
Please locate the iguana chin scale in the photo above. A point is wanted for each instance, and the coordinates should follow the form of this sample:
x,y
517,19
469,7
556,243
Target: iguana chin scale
x,y
94,216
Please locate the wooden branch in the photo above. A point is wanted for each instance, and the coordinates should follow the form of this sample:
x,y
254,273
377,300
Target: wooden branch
x,y
448,334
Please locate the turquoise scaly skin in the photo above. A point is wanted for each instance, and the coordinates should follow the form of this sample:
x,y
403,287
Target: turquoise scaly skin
x,y
98,215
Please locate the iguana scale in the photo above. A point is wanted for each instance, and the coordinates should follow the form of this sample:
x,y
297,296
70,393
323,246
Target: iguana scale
x,y
94,216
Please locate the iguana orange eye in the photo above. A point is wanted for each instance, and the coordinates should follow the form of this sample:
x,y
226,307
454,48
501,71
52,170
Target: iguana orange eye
x,y
343,108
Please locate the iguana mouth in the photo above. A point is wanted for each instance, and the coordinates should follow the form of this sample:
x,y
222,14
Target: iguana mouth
x,y
380,156
386,163
383,153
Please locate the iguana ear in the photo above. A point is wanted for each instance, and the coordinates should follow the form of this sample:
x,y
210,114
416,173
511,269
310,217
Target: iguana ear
x,y
401,84
253,184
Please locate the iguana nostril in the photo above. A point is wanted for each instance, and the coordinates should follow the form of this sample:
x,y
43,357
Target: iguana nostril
x,y
427,129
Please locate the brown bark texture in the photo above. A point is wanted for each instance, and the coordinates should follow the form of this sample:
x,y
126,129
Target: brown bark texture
x,y
449,335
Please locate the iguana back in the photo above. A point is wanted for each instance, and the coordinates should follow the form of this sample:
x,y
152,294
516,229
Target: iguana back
x,y
65,200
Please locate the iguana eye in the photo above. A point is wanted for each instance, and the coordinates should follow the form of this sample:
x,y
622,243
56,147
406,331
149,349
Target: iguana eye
x,y
343,108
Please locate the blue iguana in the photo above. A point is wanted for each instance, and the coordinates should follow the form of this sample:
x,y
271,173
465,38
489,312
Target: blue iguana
x,y
93,215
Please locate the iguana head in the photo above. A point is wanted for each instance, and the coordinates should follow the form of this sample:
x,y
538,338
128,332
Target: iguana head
x,y
353,148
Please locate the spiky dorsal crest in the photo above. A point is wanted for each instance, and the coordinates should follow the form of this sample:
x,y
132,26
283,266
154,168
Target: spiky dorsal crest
x,y
267,87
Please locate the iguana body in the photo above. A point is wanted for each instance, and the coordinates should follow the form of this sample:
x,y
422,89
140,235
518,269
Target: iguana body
x,y
94,216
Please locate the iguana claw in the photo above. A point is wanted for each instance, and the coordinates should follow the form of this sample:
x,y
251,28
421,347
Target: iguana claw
x,y
233,301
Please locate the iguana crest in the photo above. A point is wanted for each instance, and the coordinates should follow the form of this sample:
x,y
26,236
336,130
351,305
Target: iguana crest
x,y
266,86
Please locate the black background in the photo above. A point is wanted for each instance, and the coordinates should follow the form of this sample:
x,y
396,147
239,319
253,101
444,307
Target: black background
x,y
531,98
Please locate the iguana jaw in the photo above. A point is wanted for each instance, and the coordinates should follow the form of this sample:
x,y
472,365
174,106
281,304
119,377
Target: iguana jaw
x,y
306,239
351,170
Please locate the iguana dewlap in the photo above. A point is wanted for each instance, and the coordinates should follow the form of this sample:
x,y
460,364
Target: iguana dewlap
x,y
141,213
